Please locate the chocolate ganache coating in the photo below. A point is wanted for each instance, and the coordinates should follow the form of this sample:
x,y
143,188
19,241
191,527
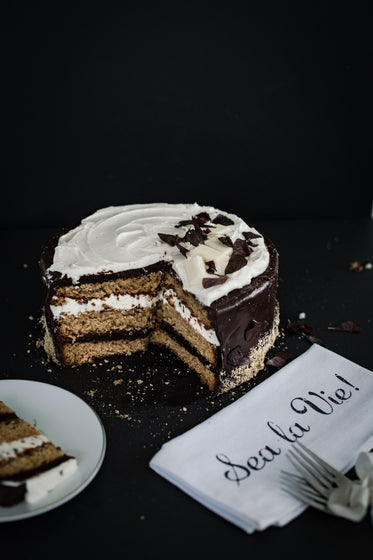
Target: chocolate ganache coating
x,y
243,317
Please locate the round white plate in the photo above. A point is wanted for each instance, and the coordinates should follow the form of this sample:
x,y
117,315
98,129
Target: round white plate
x,y
68,422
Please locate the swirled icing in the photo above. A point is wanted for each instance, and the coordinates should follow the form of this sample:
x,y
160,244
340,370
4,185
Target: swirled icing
x,y
120,238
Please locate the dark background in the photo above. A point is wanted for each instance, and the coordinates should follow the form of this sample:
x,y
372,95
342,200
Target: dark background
x,y
258,108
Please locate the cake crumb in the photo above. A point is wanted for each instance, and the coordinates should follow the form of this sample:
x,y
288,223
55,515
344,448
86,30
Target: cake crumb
x,y
117,381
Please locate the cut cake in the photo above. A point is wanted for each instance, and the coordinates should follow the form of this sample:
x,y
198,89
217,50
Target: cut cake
x,y
30,464
192,278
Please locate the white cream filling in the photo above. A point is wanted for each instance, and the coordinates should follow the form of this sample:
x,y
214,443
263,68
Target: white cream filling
x,y
127,302
124,302
9,449
38,486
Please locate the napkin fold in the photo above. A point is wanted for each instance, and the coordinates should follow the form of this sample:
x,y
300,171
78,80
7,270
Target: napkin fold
x,y
231,462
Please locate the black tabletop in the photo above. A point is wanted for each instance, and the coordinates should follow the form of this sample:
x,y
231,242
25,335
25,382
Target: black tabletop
x,y
147,399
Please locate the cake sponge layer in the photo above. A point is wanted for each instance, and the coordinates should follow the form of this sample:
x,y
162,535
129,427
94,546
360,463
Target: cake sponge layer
x,y
82,326
146,284
29,461
87,352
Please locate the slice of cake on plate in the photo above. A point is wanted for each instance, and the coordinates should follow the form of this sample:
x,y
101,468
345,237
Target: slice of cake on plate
x,y
193,278
30,464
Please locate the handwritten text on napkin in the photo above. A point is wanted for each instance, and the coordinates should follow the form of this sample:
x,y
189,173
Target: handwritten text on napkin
x,y
319,402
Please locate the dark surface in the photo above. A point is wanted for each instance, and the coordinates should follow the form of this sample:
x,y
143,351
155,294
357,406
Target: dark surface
x,y
129,507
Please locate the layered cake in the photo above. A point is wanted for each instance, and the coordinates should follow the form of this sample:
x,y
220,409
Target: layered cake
x,y
30,464
192,278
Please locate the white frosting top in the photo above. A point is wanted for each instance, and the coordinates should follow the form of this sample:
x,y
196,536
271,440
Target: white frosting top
x,y
119,238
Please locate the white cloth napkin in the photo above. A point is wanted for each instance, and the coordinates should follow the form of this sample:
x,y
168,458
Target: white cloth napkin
x,y
231,462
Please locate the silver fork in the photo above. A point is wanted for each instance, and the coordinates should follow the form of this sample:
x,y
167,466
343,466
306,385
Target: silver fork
x,y
321,486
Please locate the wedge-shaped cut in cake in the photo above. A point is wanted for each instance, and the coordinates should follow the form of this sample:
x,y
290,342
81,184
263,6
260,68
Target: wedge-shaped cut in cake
x,y
30,464
192,278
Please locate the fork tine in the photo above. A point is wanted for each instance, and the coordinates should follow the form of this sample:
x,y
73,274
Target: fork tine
x,y
328,477
321,461
302,495
306,472
302,487
305,499
293,477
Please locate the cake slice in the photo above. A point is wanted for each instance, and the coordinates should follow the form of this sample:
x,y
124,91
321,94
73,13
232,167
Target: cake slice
x,y
193,278
30,464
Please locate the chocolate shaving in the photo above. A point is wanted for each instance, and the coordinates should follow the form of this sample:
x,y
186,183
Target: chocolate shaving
x,y
194,237
303,328
184,223
291,328
169,239
199,230
305,331
249,235
314,340
235,263
226,240
346,326
222,220
214,281
211,267
280,359
240,247
183,250
237,260
202,218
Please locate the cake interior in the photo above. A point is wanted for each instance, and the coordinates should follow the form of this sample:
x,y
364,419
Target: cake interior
x,y
125,315
93,320
30,464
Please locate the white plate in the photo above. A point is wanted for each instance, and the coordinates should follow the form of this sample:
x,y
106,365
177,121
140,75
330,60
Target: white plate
x,y
68,422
